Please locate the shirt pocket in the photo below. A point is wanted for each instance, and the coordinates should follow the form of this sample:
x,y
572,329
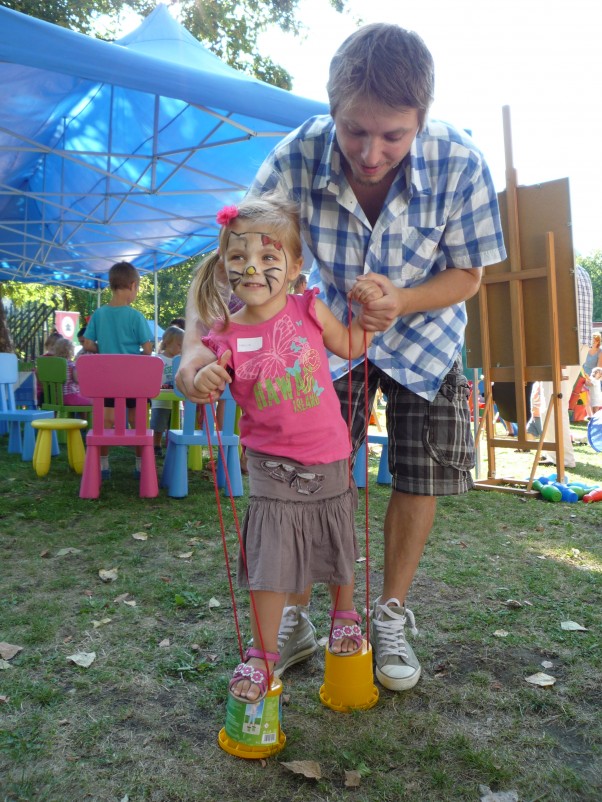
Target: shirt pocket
x,y
419,250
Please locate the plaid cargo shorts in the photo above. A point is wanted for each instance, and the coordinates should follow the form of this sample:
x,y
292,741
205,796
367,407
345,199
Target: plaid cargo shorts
x,y
431,449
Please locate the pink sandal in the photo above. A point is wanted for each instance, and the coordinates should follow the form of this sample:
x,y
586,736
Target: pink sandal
x,y
353,632
258,676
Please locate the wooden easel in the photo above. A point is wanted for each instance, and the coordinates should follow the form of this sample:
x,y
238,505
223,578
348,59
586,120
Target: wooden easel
x,y
501,336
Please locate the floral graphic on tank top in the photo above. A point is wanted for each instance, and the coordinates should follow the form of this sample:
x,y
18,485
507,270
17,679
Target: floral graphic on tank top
x,y
284,370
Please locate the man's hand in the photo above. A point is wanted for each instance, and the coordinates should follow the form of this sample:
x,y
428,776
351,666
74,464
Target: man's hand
x,y
380,302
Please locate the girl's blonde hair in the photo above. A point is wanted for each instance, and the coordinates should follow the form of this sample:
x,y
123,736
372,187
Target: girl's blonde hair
x,y
171,335
63,348
271,210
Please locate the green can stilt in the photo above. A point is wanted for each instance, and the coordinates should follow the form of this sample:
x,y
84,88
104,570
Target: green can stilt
x,y
254,730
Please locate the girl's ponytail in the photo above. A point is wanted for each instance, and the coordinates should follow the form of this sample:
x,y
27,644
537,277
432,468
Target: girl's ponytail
x,y
209,292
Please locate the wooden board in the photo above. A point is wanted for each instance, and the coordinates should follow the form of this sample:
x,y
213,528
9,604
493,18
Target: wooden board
x,y
541,208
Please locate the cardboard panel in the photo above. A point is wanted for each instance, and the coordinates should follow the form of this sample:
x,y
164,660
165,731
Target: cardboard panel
x,y
541,208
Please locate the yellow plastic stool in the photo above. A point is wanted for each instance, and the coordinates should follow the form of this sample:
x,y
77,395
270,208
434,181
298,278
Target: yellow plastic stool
x,y
75,445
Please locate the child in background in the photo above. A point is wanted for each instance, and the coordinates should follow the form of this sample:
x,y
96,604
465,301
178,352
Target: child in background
x,y
170,346
595,389
299,526
71,394
116,328
48,351
534,424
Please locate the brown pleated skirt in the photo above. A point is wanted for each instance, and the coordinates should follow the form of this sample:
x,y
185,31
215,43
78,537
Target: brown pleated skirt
x,y
299,527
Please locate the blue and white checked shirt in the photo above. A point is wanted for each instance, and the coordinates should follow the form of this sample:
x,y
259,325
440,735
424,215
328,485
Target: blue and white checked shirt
x,y
441,211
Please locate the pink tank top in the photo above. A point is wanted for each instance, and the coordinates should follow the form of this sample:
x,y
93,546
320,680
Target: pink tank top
x,y
281,381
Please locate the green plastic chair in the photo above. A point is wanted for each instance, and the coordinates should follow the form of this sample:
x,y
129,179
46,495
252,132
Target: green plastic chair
x,y
51,373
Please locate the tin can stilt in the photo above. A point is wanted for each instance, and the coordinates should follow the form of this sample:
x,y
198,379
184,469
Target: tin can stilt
x,y
349,681
254,730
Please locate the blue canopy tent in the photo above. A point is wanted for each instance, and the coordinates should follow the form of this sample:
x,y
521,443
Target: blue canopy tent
x,y
123,150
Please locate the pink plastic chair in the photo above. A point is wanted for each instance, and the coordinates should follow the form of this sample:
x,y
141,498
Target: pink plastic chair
x,y
119,376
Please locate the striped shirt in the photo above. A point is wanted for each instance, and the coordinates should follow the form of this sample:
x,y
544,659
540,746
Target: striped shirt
x,y
585,305
441,211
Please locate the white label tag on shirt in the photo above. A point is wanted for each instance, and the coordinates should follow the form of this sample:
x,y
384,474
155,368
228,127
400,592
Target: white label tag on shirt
x,y
249,344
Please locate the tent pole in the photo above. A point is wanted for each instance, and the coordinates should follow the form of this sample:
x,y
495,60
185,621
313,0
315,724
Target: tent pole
x,y
156,303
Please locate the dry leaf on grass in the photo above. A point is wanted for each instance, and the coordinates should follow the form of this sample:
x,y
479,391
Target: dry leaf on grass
x,y
497,796
186,555
308,768
213,602
513,604
126,598
4,699
9,650
101,623
82,659
4,665
572,626
108,574
68,550
140,536
541,679
164,643
352,779
501,633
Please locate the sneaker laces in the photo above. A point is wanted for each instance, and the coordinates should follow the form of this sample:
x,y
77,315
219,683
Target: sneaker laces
x,y
391,630
287,625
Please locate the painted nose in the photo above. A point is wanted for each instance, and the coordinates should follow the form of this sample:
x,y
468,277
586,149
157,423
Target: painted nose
x,y
250,270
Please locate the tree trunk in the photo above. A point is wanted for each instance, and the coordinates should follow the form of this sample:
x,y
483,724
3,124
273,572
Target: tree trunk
x,y
6,344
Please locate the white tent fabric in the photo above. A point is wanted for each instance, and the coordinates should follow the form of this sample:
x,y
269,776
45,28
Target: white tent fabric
x,y
123,150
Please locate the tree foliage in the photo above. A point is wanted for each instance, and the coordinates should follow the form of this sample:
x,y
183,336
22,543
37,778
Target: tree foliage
x,y
593,265
229,28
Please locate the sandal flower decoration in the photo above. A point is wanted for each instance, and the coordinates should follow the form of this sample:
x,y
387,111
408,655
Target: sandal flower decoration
x,y
226,215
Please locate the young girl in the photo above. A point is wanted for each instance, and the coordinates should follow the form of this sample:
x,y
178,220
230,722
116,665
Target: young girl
x,y
71,394
170,346
299,527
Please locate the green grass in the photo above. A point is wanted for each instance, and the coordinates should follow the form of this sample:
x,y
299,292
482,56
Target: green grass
x,y
143,720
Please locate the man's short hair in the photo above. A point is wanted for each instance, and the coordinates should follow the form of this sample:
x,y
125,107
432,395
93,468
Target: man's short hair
x,y
384,63
122,275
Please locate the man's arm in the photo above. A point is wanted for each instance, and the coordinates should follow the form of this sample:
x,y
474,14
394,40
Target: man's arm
x,y
447,288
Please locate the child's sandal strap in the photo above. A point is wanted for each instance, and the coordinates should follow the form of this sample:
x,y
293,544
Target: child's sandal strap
x,y
271,657
257,676
350,615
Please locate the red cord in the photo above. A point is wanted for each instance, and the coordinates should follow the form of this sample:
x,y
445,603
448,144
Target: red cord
x,y
239,536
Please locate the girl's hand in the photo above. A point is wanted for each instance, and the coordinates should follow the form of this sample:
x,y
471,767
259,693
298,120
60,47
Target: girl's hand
x,y
210,381
382,307
365,291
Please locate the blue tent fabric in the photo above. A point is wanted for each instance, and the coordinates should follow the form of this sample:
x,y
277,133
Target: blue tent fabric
x,y
123,150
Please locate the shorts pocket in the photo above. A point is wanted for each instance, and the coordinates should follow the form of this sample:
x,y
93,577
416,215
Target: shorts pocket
x,y
447,436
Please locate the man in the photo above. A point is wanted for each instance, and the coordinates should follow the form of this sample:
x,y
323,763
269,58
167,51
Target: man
x,y
585,304
410,205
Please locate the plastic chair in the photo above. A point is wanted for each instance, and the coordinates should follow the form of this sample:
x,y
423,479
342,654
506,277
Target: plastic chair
x,y
175,468
15,418
119,376
52,375
75,444
359,469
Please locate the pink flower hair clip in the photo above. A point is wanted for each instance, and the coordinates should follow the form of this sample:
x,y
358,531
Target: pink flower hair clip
x,y
226,215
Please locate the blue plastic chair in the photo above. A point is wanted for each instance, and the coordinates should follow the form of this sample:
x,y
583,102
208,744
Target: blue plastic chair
x,y
15,418
175,468
359,469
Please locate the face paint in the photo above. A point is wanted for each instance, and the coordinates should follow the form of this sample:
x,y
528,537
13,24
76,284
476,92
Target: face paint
x,y
255,255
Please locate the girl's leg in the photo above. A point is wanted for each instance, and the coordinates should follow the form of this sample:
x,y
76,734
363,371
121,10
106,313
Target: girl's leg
x,y
344,601
269,608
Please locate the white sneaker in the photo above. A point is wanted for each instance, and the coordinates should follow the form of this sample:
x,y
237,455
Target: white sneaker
x,y
296,638
397,667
